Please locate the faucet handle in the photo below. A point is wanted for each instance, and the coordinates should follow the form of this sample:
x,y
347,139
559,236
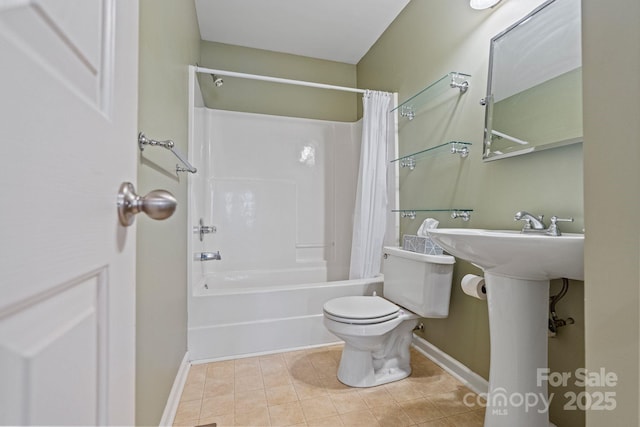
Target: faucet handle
x,y
555,219
553,229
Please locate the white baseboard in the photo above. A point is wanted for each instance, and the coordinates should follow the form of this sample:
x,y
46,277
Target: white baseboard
x,y
173,400
469,378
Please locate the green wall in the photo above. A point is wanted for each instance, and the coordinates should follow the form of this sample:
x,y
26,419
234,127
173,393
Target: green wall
x,y
253,96
429,39
612,247
169,41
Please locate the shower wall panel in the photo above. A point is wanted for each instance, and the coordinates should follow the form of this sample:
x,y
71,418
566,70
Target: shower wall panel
x,y
280,192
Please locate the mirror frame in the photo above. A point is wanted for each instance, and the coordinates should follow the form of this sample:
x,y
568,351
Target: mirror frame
x,y
486,155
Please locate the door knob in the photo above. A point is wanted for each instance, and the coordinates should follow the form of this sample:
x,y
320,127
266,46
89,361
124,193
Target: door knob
x,y
158,204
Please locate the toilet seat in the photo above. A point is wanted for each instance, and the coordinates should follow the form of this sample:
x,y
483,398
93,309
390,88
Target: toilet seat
x,y
361,310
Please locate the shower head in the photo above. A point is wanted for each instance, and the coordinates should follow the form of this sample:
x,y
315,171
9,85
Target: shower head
x,y
217,80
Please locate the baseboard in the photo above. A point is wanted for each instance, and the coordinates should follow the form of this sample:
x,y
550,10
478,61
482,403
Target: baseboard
x,y
173,400
469,378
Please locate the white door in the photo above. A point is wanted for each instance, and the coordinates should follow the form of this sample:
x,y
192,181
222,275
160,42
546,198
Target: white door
x,y
68,107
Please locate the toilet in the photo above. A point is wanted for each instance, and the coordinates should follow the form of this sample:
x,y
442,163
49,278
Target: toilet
x,y
377,332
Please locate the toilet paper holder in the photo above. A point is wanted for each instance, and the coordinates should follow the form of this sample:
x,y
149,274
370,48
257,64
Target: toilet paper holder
x,y
474,286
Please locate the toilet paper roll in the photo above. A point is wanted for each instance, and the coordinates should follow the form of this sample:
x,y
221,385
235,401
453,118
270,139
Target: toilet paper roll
x,y
474,285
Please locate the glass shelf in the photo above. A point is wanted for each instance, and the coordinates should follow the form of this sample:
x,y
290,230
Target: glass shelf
x,y
465,214
452,80
457,147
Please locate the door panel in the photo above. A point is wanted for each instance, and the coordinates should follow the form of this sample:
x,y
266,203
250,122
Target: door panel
x,y
67,287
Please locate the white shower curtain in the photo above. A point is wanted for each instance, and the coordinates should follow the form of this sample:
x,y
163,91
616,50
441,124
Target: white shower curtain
x,y
371,198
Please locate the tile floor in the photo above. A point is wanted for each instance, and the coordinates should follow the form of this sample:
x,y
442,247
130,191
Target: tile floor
x,y
300,388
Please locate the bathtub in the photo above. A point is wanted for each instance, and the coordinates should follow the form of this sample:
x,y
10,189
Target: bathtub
x,y
233,321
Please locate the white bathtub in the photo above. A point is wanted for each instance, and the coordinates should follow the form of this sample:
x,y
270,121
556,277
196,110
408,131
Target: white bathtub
x,y
228,322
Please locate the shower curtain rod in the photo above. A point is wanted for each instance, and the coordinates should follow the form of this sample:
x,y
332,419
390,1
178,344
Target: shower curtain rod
x,y
276,79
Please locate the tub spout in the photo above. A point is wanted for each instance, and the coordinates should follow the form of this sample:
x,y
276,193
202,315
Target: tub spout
x,y
207,256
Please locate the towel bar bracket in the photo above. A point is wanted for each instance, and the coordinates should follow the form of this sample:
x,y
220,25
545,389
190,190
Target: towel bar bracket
x,y
169,145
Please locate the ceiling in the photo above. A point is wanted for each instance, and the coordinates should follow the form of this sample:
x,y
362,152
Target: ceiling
x,y
335,30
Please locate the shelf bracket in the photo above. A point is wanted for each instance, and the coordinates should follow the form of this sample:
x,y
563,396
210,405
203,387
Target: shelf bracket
x,y
407,111
461,149
408,214
409,162
465,215
458,81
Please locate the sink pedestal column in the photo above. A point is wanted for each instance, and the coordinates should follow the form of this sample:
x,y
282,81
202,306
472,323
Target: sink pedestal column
x,y
518,322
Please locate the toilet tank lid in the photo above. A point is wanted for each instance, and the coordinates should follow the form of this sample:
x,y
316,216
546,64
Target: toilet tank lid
x,y
416,256
360,307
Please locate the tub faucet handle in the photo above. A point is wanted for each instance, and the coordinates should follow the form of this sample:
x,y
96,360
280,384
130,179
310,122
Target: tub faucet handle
x,y
202,229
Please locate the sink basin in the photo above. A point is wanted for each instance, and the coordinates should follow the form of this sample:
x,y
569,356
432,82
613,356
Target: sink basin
x,y
517,269
514,254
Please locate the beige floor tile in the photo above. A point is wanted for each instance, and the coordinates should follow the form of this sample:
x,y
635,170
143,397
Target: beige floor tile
x,y
323,357
276,379
359,419
197,372
185,423
391,416
453,402
280,395
348,402
225,420
248,366
336,351
215,387
421,410
286,415
309,389
248,382
468,419
436,384
187,411
333,385
302,370
217,406
253,417
442,422
292,357
220,370
326,422
326,368
192,391
249,399
320,407
273,364
375,396
403,390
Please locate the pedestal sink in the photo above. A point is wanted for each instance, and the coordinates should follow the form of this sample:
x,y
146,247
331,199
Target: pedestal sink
x,y
517,270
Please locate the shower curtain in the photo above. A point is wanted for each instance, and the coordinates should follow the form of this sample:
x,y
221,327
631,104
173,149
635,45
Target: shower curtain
x,y
370,214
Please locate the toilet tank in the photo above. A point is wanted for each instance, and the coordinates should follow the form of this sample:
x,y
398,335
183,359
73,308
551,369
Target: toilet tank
x,y
418,282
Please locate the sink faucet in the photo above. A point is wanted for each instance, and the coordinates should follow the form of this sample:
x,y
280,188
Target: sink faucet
x,y
535,224
530,222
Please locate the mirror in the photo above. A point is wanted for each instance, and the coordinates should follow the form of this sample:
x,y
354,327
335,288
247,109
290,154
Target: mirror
x,y
534,93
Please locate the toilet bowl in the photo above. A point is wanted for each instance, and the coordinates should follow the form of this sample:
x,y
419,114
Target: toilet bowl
x,y
377,331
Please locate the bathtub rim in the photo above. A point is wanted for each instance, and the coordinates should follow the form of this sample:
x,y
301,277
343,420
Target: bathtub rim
x,y
283,288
